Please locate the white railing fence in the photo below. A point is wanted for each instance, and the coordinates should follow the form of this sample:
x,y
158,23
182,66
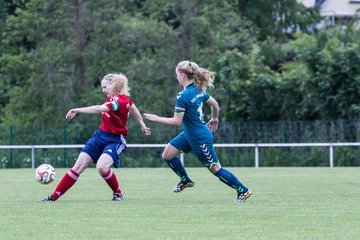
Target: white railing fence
x,y
256,147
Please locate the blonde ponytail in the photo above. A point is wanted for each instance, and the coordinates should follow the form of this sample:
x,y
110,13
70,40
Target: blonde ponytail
x,y
202,77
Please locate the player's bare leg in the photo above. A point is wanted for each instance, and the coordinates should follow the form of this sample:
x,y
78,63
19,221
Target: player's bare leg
x,y
103,166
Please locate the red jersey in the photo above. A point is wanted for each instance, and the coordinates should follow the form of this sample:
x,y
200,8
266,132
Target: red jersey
x,y
115,120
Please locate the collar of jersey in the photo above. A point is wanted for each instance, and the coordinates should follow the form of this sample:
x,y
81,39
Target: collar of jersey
x,y
191,84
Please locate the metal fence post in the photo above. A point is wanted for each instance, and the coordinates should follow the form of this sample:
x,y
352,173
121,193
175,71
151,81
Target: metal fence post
x,y
256,156
331,155
65,142
32,156
11,137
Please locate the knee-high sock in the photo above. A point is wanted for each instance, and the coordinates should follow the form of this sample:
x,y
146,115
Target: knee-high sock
x,y
111,180
176,165
231,180
65,183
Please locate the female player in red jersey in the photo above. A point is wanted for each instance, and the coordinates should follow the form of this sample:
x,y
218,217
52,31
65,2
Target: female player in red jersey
x,y
108,143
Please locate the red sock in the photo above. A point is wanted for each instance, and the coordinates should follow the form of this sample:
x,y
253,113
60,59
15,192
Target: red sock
x,y
112,181
65,183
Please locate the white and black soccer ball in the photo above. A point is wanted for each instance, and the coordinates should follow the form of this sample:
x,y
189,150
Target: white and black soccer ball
x,y
45,173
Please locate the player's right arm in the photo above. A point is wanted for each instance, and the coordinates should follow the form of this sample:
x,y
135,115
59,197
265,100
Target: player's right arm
x,y
88,110
178,117
136,113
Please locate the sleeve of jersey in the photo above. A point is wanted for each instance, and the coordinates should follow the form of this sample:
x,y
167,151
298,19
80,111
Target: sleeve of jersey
x,y
179,106
206,97
113,105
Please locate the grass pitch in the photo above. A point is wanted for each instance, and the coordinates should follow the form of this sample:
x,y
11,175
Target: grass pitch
x,y
287,203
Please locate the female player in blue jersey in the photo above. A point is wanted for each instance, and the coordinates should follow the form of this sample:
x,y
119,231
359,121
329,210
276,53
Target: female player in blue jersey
x,y
108,143
196,135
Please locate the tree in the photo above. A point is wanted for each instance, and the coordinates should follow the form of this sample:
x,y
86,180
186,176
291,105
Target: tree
x,y
335,83
278,18
66,47
314,77
7,8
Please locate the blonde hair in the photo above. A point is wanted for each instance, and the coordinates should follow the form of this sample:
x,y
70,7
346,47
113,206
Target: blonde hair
x,y
118,84
202,77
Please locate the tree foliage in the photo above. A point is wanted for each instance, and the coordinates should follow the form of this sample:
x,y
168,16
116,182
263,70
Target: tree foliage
x,y
270,63
278,18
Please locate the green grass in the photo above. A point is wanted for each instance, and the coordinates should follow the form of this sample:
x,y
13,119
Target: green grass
x,y
288,203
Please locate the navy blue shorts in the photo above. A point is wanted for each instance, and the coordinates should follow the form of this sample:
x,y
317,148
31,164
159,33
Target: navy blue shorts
x,y
102,142
203,149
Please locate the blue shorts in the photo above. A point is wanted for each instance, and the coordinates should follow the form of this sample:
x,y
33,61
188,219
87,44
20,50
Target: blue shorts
x,y
102,142
203,149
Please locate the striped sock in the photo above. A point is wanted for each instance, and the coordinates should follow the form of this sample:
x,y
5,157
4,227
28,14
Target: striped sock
x,y
111,180
231,180
65,183
176,165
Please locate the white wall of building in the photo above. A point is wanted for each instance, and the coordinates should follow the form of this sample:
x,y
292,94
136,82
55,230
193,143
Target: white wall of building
x,y
339,8
335,7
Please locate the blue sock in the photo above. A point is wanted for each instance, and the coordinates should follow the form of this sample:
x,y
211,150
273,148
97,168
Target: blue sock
x,y
176,165
231,180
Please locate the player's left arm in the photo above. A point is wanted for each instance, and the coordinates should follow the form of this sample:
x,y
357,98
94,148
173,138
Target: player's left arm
x,y
136,114
214,121
176,120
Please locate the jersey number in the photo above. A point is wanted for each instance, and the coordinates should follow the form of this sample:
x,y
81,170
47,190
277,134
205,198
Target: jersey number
x,y
200,111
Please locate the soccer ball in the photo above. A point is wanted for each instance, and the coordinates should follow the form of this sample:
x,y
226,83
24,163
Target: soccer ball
x,y
45,173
